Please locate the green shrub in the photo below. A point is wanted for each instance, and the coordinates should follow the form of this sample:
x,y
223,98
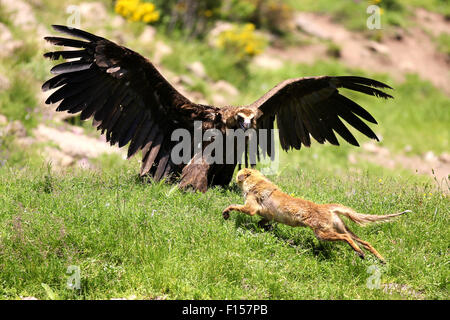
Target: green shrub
x,y
19,101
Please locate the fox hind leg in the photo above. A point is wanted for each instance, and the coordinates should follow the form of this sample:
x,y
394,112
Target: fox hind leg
x,y
366,245
334,236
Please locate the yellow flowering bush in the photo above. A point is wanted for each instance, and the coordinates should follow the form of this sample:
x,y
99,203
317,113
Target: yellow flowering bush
x,y
136,10
242,40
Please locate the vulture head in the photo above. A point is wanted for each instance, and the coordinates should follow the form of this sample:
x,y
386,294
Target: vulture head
x,y
244,118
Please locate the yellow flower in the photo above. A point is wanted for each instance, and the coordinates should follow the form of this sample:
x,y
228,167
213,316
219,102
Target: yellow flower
x,y
135,10
242,40
249,27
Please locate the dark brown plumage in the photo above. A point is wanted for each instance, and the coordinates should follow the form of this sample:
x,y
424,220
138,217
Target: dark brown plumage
x,y
131,102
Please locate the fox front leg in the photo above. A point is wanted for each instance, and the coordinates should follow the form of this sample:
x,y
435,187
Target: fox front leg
x,y
226,212
250,207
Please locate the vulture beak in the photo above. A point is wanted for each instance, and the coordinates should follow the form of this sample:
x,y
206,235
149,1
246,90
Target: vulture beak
x,y
246,124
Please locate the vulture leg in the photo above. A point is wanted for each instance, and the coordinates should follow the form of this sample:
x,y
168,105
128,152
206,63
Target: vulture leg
x,y
200,176
221,175
195,175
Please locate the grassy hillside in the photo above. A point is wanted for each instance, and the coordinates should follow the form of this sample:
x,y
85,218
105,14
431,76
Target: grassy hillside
x,y
144,240
353,15
152,241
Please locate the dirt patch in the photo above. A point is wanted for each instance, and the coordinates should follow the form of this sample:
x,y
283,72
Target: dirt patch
x,y
402,289
432,22
72,146
428,164
307,54
400,52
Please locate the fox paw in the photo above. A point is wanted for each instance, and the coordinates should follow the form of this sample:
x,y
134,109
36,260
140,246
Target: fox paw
x,y
225,214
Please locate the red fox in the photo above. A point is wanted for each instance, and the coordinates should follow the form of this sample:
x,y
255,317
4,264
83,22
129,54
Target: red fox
x,y
264,198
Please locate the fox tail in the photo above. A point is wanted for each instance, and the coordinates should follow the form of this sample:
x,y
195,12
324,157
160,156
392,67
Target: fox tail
x,y
363,219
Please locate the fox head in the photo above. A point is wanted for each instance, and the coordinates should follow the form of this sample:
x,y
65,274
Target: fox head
x,y
245,173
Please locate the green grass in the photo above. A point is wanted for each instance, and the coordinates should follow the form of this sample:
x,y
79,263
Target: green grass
x,y
131,238
19,101
443,43
150,241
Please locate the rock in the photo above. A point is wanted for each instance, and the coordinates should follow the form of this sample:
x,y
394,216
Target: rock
x,y
223,86
117,22
5,34
373,148
378,47
267,62
307,25
120,37
74,145
198,69
4,83
21,13
352,158
219,27
445,157
368,146
3,120
185,80
195,96
408,148
41,32
77,130
430,156
8,45
25,141
93,12
28,298
49,110
161,50
219,100
148,35
58,158
16,128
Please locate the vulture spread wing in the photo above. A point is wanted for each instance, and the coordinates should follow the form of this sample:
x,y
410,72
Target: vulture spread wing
x,y
124,93
314,107
131,102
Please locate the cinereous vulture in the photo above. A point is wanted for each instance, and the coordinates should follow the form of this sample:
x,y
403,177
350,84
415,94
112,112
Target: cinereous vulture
x,y
131,102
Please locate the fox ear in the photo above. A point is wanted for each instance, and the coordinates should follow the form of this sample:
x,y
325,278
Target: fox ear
x,y
242,176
